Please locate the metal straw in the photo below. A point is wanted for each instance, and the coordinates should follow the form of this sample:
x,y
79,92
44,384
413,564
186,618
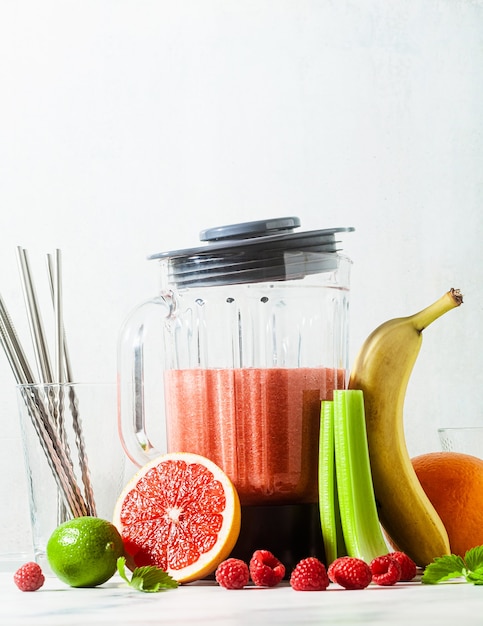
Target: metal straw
x,y
55,453
59,357
35,320
13,348
44,405
61,468
64,373
59,324
40,346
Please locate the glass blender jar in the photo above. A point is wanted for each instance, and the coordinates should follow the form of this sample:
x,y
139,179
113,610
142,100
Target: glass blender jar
x,y
231,361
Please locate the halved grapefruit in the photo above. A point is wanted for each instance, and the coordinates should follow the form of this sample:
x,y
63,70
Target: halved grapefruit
x,y
179,512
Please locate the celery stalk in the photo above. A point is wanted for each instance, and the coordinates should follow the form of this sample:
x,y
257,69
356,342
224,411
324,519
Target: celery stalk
x,y
360,523
328,501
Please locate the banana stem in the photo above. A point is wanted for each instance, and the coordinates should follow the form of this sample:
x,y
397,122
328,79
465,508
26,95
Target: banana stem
x,y
450,300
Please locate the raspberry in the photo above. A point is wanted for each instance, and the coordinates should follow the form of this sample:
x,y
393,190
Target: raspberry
x,y
232,574
29,577
265,569
408,566
386,571
309,575
350,573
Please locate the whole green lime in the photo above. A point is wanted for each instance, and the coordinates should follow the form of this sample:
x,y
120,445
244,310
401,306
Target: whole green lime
x,y
83,552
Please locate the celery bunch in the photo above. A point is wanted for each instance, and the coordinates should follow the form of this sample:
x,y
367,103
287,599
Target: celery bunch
x,y
348,513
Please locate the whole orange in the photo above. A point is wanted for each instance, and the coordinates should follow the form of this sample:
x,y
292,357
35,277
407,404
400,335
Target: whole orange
x,y
453,483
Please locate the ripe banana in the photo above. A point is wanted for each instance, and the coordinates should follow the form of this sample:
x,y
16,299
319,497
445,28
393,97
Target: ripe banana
x,y
382,370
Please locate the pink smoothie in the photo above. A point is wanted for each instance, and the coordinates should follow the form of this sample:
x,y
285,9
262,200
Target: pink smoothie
x,y
260,425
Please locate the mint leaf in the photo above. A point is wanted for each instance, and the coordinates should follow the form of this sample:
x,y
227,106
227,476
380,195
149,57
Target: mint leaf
x,y
149,579
475,577
474,558
443,568
152,579
121,568
447,567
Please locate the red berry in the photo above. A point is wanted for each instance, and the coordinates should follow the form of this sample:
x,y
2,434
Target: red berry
x,y
408,566
309,575
386,571
29,577
350,573
265,569
232,574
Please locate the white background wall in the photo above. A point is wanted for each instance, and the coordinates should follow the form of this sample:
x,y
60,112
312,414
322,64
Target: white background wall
x,y
127,126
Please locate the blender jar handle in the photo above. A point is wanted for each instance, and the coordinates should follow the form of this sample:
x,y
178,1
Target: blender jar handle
x,y
140,349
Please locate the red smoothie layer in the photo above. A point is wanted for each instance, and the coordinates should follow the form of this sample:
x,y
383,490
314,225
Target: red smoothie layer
x,y
261,426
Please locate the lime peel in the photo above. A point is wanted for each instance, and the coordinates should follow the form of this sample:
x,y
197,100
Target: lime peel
x,y
83,551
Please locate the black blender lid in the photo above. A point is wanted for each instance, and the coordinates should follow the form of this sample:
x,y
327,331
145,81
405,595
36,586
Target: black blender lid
x,y
257,251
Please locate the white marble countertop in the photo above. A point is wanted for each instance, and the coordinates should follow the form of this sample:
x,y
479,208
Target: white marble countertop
x,y
56,604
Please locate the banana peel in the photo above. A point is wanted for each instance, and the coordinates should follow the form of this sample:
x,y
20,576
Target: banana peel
x,y
382,370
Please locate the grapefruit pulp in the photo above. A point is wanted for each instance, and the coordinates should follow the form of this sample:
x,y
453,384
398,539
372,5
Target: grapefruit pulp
x,y
179,512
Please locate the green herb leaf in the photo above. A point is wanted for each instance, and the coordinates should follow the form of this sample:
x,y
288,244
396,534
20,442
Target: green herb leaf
x,y
152,579
121,568
443,568
474,558
453,566
475,577
149,579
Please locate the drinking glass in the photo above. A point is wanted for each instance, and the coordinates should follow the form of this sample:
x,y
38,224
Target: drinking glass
x,y
15,546
84,422
466,439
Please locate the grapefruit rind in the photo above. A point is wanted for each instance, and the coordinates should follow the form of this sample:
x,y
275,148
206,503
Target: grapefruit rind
x,y
227,535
